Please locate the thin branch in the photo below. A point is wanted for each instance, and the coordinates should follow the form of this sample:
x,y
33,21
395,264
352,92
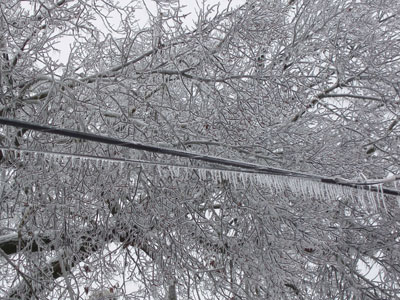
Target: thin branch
x,y
316,99
28,283
352,96
261,169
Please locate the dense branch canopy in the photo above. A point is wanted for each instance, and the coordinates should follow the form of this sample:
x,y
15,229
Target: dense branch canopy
x,y
307,86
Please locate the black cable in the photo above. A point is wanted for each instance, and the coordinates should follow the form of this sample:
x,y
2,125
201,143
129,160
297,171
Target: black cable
x,y
195,156
148,148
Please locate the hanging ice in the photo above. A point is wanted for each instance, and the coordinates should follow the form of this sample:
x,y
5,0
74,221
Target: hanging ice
x,y
99,163
159,170
73,161
202,174
106,165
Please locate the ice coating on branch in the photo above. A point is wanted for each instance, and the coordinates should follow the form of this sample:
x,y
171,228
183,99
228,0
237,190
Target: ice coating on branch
x,y
304,187
2,181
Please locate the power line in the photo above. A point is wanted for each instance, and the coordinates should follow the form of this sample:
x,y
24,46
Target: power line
x,y
123,160
246,167
151,148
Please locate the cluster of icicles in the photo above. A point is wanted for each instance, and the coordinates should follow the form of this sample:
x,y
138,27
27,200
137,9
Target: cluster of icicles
x,y
237,178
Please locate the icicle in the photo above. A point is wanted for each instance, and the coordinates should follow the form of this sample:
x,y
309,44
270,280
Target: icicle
x,y
28,157
333,192
230,178
262,180
227,177
250,179
86,162
171,170
317,190
312,190
374,199
327,191
34,158
309,188
258,179
293,186
383,197
213,179
20,154
89,162
40,159
234,179
265,181
308,192
220,177
106,165
115,166
270,182
46,158
159,170
371,200
98,163
127,166
360,196
50,159
178,172
301,188
2,181
351,192
121,167
80,162
202,174
184,173
242,179
73,161
25,156
279,183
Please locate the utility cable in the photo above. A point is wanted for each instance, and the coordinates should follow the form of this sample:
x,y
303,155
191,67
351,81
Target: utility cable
x,y
260,169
